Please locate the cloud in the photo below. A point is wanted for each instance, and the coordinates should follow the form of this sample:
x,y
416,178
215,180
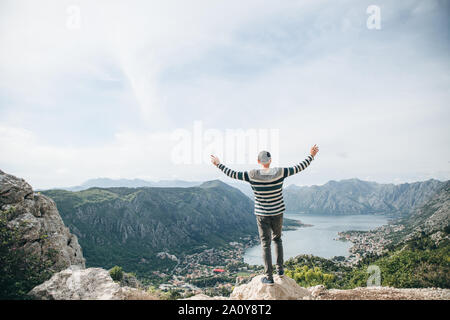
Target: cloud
x,y
129,154
103,99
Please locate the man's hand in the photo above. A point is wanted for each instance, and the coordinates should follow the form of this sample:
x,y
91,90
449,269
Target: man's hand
x,y
215,161
314,150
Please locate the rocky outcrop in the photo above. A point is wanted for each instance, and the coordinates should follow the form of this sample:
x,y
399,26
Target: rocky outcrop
x,y
284,288
85,284
42,231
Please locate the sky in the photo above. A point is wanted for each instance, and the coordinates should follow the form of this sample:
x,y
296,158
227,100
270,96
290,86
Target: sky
x,y
148,89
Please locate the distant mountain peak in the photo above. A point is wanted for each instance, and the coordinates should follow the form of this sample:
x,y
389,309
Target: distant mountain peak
x,y
215,184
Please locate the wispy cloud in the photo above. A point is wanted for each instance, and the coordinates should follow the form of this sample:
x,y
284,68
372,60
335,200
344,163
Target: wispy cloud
x,y
103,99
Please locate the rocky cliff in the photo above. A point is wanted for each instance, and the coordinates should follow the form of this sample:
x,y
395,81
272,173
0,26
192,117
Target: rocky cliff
x,y
354,196
41,229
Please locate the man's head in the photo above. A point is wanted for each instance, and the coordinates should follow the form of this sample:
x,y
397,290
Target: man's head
x,y
264,158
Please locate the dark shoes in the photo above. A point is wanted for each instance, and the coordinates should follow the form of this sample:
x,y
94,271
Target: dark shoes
x,y
280,273
266,280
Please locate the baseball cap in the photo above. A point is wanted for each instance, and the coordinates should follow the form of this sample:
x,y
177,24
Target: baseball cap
x,y
264,157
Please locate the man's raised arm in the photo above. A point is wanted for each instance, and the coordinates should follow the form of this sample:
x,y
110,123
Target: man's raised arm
x,y
241,175
302,165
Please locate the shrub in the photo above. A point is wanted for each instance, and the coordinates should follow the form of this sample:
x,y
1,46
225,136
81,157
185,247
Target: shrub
x,y
308,277
116,273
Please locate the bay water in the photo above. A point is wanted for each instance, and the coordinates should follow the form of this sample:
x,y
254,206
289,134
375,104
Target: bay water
x,y
319,239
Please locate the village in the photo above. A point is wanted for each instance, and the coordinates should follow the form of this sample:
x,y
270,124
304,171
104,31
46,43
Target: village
x,y
212,271
367,242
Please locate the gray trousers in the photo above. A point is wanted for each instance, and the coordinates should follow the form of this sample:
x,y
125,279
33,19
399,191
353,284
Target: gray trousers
x,y
269,228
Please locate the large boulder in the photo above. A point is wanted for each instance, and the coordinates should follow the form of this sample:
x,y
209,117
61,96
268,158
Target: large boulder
x,y
284,288
41,229
84,284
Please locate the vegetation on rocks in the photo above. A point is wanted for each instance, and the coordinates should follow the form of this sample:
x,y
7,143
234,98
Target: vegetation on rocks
x,y
116,273
20,270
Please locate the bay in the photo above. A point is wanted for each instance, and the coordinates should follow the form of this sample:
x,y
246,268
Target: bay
x,y
319,239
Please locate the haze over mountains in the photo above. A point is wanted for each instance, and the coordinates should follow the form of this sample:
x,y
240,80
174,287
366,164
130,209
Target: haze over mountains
x,y
130,183
138,183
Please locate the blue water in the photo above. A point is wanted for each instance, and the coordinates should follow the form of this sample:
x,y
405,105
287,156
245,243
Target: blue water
x,y
318,239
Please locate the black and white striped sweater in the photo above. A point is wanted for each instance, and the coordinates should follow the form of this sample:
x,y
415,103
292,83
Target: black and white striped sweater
x,y
267,185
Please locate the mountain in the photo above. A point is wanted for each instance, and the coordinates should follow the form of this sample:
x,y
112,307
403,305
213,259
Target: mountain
x,y
131,183
354,196
433,216
431,219
130,226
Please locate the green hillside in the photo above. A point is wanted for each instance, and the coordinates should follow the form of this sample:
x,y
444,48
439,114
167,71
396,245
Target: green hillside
x,y
129,226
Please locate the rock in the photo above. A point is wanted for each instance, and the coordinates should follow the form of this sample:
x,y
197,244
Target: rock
x,y
41,229
385,293
81,284
13,190
317,290
284,288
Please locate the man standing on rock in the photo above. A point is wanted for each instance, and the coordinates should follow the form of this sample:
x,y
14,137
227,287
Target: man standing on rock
x,y
267,185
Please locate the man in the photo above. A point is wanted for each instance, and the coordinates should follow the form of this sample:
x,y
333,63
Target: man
x,y
267,185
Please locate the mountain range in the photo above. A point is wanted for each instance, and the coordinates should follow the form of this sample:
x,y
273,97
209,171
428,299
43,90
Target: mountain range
x,y
129,226
350,196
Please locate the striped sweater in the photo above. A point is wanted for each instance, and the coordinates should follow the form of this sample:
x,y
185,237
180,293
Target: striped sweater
x,y
267,185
